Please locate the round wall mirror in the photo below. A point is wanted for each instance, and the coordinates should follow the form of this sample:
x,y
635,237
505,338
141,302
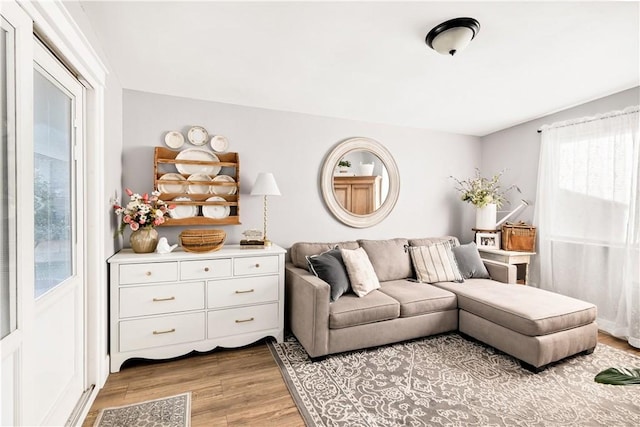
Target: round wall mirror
x,y
360,182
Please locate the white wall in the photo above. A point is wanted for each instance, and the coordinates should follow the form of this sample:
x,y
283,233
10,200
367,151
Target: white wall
x,y
293,146
518,148
112,128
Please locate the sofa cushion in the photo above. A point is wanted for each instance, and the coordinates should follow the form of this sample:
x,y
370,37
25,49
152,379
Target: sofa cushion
x,y
426,241
389,258
435,263
418,298
329,267
361,273
301,250
350,310
524,309
469,261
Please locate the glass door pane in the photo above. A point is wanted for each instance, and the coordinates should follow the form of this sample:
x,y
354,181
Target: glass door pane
x,y
7,182
53,178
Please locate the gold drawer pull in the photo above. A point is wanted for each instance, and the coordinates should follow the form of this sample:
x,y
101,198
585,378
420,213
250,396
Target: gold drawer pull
x,y
245,292
245,320
164,332
164,299
148,273
206,269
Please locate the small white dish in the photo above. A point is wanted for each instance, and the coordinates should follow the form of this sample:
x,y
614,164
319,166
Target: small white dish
x,y
180,185
216,211
183,211
219,143
198,135
199,188
201,155
224,189
174,139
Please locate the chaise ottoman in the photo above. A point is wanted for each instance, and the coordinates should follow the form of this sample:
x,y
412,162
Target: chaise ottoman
x,y
536,326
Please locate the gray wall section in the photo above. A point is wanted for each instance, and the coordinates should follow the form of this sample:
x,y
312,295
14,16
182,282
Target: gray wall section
x,y
517,149
293,146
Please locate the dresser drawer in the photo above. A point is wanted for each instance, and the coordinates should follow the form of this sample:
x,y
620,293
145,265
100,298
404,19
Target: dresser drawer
x,y
234,321
148,273
205,269
160,331
160,299
239,291
255,265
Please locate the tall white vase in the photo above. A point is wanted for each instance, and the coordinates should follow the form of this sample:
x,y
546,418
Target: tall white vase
x,y
486,217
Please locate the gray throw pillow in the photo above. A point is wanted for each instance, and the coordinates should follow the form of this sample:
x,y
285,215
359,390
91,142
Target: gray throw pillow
x,y
469,261
329,267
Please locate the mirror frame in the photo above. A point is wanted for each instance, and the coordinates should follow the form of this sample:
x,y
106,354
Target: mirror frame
x,y
326,184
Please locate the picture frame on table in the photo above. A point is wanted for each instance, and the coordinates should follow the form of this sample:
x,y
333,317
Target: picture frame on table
x,y
488,240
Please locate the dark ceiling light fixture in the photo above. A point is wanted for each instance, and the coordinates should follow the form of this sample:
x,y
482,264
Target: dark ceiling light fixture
x,y
453,35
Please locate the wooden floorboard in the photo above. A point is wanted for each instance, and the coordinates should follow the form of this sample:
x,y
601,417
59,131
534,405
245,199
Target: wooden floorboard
x,y
229,387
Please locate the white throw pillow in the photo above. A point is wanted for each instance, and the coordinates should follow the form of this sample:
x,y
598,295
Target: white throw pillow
x,y
435,263
361,273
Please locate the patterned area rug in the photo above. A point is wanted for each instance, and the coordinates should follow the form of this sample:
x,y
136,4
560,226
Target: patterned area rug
x,y
173,411
449,380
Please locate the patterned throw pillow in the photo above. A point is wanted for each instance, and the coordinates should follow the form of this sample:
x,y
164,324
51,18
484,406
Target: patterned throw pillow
x,y
435,263
361,273
329,267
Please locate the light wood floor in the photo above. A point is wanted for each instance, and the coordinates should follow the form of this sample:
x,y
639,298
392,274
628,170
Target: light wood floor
x,y
229,387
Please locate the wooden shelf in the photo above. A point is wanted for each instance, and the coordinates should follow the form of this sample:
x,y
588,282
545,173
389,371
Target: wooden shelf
x,y
165,161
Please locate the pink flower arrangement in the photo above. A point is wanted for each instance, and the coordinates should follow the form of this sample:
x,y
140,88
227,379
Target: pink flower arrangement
x,y
142,211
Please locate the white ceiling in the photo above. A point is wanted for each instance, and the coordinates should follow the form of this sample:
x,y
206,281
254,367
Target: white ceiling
x,y
368,60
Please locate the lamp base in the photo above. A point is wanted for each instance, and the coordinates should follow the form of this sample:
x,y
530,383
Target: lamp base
x,y
267,243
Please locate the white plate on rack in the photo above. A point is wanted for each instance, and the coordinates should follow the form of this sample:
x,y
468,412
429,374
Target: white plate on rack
x,y
184,211
199,188
180,185
219,143
198,135
216,211
174,139
197,154
224,189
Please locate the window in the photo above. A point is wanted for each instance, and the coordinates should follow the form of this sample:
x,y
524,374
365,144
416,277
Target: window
x,y
7,182
53,193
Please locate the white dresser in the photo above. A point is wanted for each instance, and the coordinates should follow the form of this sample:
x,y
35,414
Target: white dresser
x,y
168,305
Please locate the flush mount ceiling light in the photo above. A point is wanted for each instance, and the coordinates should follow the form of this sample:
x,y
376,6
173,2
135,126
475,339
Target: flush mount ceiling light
x,y
453,35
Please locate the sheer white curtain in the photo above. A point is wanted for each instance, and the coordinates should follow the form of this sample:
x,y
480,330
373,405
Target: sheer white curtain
x,y
587,214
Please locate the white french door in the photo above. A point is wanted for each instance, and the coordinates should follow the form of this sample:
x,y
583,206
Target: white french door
x,y
42,314
52,347
59,342
16,302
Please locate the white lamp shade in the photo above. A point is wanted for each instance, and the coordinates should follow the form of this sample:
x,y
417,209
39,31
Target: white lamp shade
x,y
454,39
265,185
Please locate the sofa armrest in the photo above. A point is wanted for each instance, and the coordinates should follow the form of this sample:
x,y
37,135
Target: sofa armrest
x,y
501,272
307,303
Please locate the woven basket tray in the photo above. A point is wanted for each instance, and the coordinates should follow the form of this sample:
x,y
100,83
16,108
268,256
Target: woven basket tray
x,y
202,240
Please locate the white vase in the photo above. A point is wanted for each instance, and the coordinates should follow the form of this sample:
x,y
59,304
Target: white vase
x,y
486,217
366,169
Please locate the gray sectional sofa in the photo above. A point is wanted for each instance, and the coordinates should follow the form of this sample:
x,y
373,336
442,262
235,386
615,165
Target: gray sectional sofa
x,y
536,326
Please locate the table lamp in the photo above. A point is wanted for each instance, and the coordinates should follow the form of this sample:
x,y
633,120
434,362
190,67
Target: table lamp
x,y
264,186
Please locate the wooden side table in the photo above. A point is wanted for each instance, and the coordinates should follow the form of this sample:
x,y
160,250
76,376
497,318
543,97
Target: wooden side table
x,y
520,259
